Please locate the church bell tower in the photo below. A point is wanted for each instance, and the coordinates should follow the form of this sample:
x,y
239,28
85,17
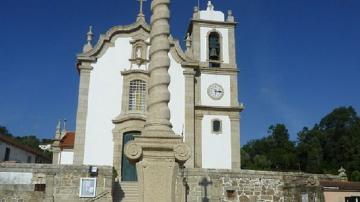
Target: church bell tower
x,y
217,118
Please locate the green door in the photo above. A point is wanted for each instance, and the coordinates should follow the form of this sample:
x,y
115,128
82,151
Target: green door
x,y
128,170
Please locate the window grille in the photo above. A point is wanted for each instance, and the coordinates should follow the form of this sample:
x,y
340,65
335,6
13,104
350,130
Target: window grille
x,y
137,92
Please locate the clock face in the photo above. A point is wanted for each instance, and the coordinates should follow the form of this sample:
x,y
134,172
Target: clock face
x,y
215,91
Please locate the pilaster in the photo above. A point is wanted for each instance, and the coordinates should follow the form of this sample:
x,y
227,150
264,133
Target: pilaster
x,y
234,90
189,74
232,46
56,155
118,151
196,41
79,145
235,141
198,142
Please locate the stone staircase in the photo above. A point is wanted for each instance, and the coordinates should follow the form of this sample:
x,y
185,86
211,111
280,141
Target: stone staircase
x,y
129,192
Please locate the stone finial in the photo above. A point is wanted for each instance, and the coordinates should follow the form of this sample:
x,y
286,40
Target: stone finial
x,y
141,15
88,46
242,106
342,174
230,17
58,130
188,41
58,126
210,6
196,13
64,127
188,45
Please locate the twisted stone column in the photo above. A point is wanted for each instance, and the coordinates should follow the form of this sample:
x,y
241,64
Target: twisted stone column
x,y
158,151
158,121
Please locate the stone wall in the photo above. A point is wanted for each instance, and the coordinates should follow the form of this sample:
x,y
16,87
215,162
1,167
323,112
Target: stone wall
x,y
19,182
251,186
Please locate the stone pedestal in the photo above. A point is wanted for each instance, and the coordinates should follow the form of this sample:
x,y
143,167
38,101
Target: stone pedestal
x,y
159,158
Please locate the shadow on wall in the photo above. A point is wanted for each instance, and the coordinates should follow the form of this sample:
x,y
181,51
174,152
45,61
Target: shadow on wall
x,y
118,193
205,183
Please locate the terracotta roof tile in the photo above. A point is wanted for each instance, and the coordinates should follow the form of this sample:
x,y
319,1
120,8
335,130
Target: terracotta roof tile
x,y
67,142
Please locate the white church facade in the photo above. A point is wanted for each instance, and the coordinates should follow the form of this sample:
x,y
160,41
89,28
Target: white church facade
x,y
112,103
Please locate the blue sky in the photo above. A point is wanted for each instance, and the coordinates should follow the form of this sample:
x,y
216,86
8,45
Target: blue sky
x,y
298,59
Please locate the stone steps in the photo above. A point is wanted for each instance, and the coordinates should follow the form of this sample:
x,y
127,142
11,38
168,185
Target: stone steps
x,y
130,191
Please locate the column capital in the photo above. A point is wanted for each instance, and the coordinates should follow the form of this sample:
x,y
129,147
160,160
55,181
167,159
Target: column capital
x,y
189,72
85,67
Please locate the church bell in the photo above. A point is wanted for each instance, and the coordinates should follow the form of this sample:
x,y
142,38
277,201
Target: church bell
x,y
213,53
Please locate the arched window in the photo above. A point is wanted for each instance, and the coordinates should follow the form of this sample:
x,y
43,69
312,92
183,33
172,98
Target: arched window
x,y
214,49
216,126
137,92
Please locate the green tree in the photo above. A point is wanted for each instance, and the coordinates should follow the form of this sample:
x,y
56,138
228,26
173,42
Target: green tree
x,y
342,148
282,153
31,141
355,176
332,143
4,131
274,152
310,151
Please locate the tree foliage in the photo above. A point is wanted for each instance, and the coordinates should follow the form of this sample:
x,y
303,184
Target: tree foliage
x,y
324,148
274,152
4,131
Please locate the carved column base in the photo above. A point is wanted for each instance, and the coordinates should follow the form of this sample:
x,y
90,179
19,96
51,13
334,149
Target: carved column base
x,y
158,160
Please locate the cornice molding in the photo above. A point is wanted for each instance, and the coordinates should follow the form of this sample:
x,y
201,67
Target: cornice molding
x,y
135,71
106,38
226,23
177,52
129,117
219,108
222,71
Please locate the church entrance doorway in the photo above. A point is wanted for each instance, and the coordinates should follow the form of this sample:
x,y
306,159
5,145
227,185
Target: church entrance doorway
x,y
128,170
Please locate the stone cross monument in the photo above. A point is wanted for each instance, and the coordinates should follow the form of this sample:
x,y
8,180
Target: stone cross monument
x,y
158,151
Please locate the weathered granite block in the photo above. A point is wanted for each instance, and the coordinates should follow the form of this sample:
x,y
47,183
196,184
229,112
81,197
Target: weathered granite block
x,y
251,186
61,183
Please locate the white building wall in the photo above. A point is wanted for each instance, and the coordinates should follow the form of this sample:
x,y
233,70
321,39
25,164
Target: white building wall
x,y
16,154
104,104
212,15
216,148
204,31
224,81
177,96
66,157
105,98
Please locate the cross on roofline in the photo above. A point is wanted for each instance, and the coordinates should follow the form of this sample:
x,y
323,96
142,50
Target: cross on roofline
x,y
141,5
